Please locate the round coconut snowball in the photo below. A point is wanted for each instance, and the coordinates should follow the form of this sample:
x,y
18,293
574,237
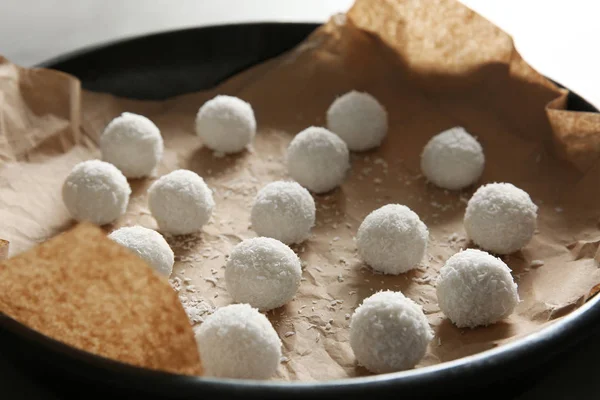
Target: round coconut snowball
x,y
500,218
389,332
318,159
262,272
226,124
284,211
181,202
132,143
148,245
452,159
359,119
392,239
237,341
96,191
475,288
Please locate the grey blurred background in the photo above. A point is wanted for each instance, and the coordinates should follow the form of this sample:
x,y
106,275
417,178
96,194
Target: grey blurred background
x,y
556,37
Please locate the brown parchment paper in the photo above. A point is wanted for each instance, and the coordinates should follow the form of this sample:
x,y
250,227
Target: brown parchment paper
x,y
433,65
85,290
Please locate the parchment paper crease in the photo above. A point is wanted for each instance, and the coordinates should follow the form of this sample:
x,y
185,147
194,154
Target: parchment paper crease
x,y
433,65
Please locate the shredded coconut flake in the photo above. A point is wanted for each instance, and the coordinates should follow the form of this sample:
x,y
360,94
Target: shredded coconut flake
x,y
536,263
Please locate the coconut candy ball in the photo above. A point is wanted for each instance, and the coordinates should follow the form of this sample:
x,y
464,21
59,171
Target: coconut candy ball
x,y
181,202
262,272
452,159
389,332
318,159
237,341
284,211
359,119
392,239
96,191
475,288
500,218
132,143
226,124
148,245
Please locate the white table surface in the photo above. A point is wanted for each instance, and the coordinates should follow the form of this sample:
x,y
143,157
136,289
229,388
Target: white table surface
x,y
557,37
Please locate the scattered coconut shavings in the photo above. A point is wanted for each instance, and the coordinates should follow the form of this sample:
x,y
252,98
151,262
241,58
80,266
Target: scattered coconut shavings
x,y
380,161
347,316
422,280
558,209
211,280
288,334
328,326
196,308
319,269
536,263
352,292
284,360
340,278
175,283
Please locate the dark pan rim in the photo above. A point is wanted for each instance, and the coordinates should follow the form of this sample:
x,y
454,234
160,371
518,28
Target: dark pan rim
x,y
540,346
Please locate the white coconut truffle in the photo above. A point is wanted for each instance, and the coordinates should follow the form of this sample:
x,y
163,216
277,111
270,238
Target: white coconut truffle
x,y
359,119
132,143
147,244
96,191
500,218
392,239
262,272
453,159
226,124
284,211
318,159
181,202
237,341
389,332
475,288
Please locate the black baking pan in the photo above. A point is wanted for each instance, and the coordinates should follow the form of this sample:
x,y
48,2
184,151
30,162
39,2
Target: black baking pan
x,y
172,63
